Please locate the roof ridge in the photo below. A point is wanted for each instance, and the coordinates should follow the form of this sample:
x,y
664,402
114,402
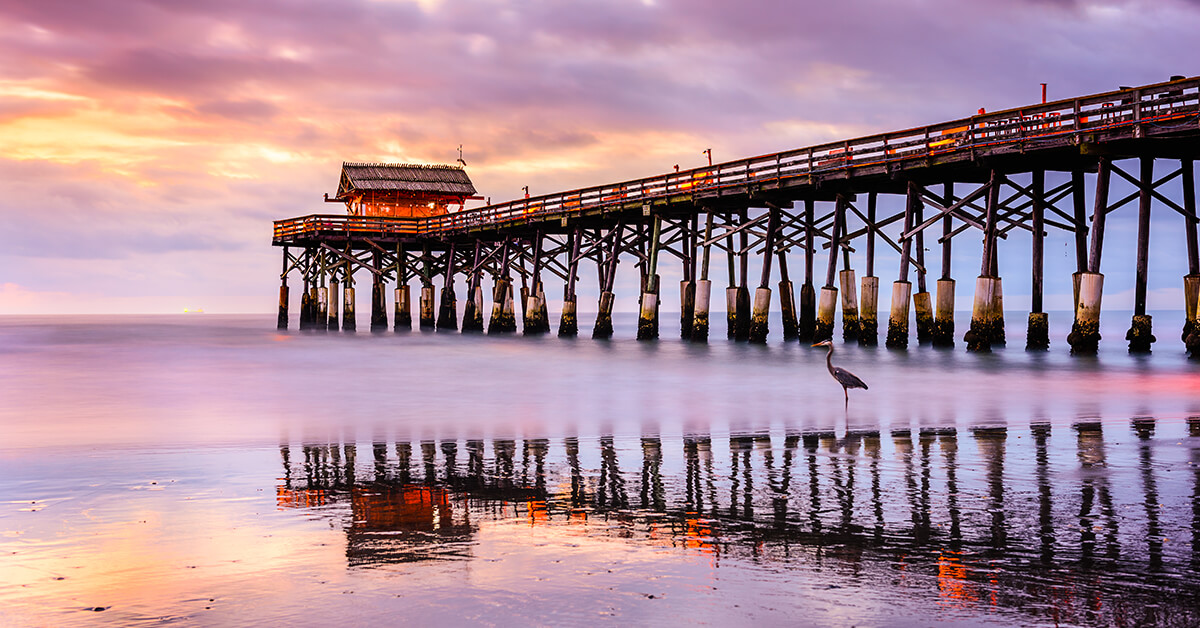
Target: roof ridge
x,y
379,164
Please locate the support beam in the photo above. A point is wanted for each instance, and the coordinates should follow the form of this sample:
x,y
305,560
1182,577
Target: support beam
x,y
849,292
806,325
897,337
868,311
943,316
762,296
827,306
648,314
687,286
1037,337
536,319
1191,283
281,321
378,297
742,303
1085,330
987,312
1140,334
703,286
921,299
503,320
604,327
568,324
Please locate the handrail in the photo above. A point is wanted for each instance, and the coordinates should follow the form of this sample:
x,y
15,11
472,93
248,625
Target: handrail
x,y
1151,104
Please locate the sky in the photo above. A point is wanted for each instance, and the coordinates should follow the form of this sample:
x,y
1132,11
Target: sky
x,y
146,145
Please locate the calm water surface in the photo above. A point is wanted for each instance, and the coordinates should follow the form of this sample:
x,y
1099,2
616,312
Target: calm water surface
x,y
208,470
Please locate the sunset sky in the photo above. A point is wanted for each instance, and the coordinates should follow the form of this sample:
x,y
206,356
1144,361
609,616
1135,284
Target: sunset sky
x,y
146,146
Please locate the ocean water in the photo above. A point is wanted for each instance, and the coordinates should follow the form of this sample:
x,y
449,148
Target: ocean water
x,y
210,470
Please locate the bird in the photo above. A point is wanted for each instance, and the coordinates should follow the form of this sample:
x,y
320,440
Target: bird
x,y
847,379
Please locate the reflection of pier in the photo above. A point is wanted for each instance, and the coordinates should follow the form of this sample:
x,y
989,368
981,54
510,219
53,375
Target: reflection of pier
x,y
1069,525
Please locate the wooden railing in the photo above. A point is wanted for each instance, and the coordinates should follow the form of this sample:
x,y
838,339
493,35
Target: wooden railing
x,y
307,226
1150,105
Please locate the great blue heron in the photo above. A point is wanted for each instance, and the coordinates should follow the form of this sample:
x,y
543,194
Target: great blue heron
x,y
847,379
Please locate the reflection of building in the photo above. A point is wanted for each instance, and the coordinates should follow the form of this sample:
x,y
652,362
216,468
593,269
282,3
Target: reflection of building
x,y
402,190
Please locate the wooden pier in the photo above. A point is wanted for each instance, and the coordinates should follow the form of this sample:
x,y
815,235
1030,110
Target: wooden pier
x,y
986,172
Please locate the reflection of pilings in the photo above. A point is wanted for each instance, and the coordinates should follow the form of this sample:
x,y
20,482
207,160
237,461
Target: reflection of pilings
x,y
926,438
475,463
991,445
1154,537
450,455
538,447
652,492
948,439
902,443
871,445
784,489
739,450
429,458
504,450
1194,432
1094,487
814,487
1041,433
578,487
611,489
404,466
379,453
285,453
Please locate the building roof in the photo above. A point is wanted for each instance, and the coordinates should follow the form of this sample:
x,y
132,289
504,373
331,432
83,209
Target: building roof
x,y
418,178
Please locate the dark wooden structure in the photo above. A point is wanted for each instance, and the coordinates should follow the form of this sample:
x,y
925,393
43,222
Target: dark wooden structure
x,y
986,172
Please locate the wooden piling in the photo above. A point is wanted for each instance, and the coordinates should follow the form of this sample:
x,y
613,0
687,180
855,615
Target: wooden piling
x,y
897,337
402,319
762,295
987,312
806,325
922,303
349,322
868,311
743,306
1085,330
281,322
1037,336
502,320
427,316
648,314
943,319
868,319
322,309
1191,283
378,296
849,291
826,311
473,308
1140,334
731,291
568,323
334,295
787,299
703,287
306,309
604,326
687,286
536,319
1085,333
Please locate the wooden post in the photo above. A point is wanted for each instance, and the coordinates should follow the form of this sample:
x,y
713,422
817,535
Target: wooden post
x,y
703,287
568,325
787,299
849,292
648,316
827,307
868,312
808,297
334,296
427,315
503,320
349,322
687,286
306,309
402,320
731,290
322,298
378,297
536,320
1140,334
987,313
897,337
1191,283
762,295
943,319
281,321
1085,331
1038,335
1081,232
922,302
473,308
604,326
743,306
